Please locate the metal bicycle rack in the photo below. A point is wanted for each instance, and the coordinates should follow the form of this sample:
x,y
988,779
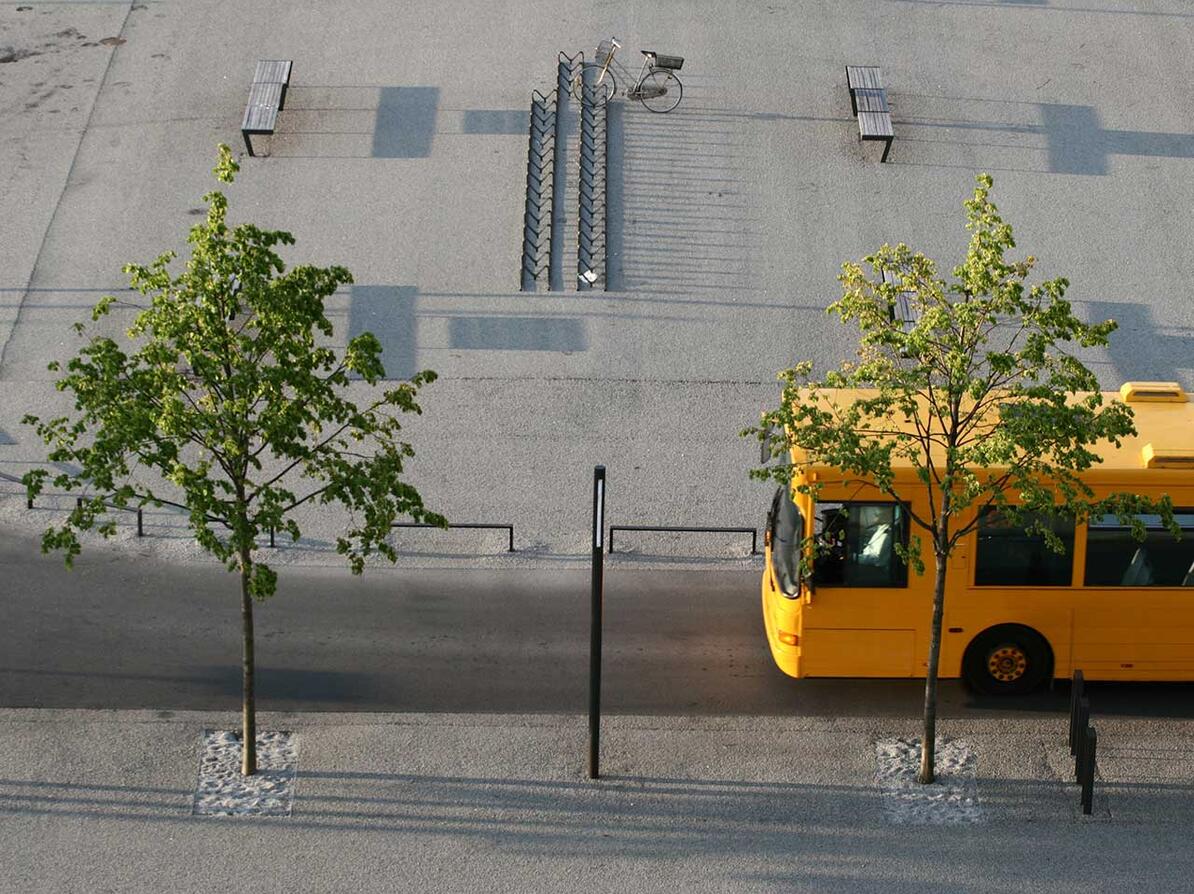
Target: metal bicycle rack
x,y
590,225
566,69
540,166
545,218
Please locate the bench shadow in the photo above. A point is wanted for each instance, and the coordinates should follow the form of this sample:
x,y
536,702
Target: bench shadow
x,y
1055,138
358,121
1046,5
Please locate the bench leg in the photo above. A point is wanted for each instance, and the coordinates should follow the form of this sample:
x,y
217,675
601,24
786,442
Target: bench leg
x,y
248,145
886,148
282,99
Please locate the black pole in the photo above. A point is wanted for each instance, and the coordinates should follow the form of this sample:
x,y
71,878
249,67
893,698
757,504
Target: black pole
x,y
595,622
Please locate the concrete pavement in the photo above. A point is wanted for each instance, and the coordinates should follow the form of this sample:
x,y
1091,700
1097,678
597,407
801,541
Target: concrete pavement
x,y
736,211
100,801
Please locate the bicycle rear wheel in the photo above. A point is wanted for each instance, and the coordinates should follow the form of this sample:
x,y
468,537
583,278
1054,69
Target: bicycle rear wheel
x,y
660,90
603,92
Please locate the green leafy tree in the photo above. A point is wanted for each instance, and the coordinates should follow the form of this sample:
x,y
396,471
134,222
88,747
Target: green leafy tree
x,y
236,411
982,397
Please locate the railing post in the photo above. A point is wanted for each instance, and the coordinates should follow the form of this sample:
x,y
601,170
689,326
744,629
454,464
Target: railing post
x,y
511,547
140,524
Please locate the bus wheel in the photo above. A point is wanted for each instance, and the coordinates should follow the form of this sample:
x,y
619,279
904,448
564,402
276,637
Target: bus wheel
x,y
1007,660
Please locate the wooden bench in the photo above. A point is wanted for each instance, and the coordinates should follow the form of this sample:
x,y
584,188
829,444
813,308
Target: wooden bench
x,y
267,96
868,102
903,312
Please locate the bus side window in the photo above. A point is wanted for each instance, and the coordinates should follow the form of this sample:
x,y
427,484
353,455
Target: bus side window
x,y
1011,556
1114,558
856,545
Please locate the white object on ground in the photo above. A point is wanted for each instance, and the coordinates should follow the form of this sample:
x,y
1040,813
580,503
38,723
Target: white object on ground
x,y
952,799
223,791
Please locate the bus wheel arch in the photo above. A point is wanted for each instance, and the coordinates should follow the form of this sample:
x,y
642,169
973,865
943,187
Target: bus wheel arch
x,y
1007,659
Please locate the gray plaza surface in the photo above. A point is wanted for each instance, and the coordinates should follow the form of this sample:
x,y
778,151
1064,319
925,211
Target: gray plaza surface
x,y
102,800
401,155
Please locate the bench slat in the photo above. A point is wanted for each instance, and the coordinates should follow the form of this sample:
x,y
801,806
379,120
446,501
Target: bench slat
x,y
272,71
261,112
863,77
875,125
260,119
903,312
869,99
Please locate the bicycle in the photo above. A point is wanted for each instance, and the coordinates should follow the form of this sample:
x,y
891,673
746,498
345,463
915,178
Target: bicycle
x,y
657,87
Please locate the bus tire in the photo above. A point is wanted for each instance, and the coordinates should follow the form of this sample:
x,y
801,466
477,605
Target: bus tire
x,y
1008,659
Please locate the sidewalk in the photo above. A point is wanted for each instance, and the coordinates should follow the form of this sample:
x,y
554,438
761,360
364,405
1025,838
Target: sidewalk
x,y
101,801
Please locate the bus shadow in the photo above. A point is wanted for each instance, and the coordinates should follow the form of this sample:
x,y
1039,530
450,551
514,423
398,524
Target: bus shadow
x,y
1159,700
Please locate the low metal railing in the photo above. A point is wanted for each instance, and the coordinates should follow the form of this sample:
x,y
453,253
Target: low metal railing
x,y
753,532
140,515
508,528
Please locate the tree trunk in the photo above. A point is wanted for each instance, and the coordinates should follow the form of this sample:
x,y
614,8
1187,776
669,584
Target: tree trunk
x,y
928,742
248,741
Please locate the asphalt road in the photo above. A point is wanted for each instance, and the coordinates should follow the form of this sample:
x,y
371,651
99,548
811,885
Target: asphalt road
x,y
126,632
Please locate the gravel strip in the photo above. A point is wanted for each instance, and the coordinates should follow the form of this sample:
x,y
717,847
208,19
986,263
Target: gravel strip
x,y
223,791
952,799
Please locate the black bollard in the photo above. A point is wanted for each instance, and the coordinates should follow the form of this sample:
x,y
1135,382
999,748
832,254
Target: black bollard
x,y
1090,741
1077,691
597,598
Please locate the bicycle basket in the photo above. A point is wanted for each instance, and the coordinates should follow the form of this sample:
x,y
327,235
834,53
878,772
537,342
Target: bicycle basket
x,y
606,50
675,63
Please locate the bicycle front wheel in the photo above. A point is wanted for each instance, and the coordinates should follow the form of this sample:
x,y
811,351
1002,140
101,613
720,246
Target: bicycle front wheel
x,y
660,90
603,86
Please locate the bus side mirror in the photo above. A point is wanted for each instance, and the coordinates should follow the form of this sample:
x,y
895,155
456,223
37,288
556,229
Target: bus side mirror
x,y
765,446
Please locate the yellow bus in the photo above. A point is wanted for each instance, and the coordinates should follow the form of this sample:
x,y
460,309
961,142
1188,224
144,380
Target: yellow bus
x,y
1016,613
